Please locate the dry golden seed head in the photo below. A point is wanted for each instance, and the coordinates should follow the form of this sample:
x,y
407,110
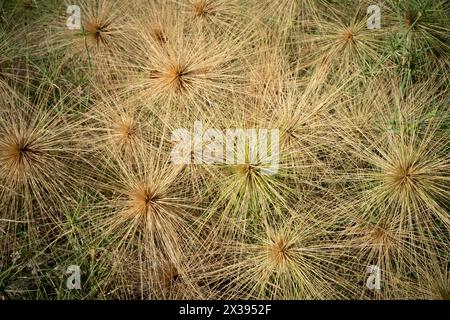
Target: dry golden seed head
x,y
200,8
18,156
104,34
142,200
126,130
177,76
403,175
174,77
279,252
378,236
16,152
349,36
97,31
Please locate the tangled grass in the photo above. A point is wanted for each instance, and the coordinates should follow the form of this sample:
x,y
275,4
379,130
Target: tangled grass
x,y
87,177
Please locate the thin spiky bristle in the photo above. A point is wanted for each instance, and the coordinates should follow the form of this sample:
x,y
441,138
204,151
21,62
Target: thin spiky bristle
x,y
224,149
